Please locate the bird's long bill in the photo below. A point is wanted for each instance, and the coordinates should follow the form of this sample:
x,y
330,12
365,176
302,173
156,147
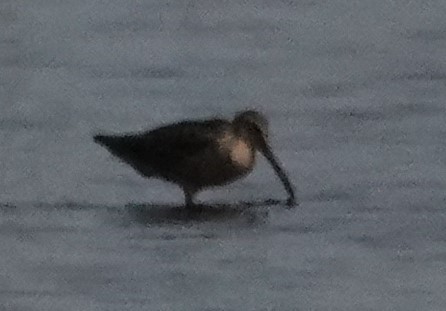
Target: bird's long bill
x,y
269,155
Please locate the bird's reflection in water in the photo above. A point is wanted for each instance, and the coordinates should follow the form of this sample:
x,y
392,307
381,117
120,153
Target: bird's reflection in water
x,y
249,212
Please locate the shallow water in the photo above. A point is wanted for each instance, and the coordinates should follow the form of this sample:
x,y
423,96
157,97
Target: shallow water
x,y
355,96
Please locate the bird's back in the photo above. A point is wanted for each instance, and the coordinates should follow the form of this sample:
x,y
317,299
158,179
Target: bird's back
x,y
168,151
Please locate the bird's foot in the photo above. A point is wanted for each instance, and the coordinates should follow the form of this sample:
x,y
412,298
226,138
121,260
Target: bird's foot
x,y
291,203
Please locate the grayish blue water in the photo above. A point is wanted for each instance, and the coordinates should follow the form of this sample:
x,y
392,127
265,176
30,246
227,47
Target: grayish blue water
x,y
355,92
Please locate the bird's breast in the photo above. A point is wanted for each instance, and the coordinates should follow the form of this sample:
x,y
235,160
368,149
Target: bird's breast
x,y
239,152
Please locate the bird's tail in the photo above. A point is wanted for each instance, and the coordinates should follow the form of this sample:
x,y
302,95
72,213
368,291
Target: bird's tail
x,y
130,149
108,141
120,146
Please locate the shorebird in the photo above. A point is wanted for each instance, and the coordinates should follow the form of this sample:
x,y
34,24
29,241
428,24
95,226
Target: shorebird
x,y
199,154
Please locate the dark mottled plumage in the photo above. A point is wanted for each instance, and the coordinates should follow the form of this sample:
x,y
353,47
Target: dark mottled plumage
x,y
198,154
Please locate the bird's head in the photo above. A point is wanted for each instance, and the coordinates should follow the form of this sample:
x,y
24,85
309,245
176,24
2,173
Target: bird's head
x,y
254,126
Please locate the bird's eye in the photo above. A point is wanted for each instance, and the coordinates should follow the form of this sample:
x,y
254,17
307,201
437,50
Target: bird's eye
x,y
255,129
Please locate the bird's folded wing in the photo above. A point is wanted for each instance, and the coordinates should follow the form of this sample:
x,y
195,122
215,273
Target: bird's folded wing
x,y
181,140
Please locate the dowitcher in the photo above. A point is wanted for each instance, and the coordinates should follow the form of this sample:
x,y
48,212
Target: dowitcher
x,y
199,154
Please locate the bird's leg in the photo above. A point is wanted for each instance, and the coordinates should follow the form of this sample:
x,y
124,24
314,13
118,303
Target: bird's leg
x,y
189,197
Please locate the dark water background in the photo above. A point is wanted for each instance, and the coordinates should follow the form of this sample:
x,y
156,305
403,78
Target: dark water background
x,y
355,92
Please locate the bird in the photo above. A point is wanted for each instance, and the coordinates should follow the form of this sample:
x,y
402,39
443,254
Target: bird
x,y
199,154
